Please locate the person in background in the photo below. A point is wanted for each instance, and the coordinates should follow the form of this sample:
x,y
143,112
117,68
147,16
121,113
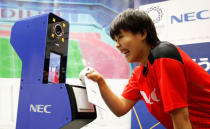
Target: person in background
x,y
175,89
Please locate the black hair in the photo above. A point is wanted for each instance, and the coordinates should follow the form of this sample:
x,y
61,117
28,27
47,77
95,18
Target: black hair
x,y
135,21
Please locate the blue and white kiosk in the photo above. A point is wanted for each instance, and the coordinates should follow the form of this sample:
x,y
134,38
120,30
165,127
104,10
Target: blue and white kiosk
x,y
45,100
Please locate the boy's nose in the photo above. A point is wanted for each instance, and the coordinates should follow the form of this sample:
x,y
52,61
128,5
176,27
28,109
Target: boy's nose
x,y
117,45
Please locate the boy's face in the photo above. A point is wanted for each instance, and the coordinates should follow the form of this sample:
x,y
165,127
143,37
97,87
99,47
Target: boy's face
x,y
133,46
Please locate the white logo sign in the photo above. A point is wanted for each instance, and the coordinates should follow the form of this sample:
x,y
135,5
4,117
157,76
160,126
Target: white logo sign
x,y
39,108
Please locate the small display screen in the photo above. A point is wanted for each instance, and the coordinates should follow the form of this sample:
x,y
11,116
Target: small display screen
x,y
82,100
54,68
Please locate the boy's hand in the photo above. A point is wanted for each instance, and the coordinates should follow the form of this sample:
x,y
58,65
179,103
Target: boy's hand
x,y
95,76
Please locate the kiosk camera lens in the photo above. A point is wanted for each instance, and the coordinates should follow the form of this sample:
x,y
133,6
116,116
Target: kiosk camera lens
x,y
58,30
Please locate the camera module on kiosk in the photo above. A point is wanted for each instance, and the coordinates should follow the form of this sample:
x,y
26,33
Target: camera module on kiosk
x,y
58,30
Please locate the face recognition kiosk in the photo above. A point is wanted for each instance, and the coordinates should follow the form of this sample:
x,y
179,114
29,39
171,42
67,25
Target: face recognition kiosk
x,y
45,101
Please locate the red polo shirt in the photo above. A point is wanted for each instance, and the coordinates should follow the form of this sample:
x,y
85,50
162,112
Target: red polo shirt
x,y
170,81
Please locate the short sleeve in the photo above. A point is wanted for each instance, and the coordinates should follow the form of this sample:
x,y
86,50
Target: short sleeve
x,y
131,90
172,83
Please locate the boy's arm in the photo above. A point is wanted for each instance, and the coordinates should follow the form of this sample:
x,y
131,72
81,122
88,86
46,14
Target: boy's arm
x,y
180,118
118,105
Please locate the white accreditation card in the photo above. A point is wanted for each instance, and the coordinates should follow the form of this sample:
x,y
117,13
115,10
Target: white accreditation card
x,y
93,92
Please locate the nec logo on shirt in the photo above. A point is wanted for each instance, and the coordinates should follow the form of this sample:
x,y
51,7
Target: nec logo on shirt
x,y
40,108
152,96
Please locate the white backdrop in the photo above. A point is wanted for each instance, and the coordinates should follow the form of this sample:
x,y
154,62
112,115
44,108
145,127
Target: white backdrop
x,y
194,16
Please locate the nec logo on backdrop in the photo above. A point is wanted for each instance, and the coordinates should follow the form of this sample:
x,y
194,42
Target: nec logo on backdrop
x,y
40,108
191,16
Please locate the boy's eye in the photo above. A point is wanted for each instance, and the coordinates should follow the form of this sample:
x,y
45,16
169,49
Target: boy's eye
x,y
120,36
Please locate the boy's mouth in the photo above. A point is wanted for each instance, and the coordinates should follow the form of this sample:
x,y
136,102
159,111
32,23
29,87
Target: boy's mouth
x,y
125,51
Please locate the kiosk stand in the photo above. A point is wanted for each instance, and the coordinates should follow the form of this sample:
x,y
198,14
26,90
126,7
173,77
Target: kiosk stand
x,y
45,101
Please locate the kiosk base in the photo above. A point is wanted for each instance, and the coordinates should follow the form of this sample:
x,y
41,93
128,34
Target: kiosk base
x,y
77,124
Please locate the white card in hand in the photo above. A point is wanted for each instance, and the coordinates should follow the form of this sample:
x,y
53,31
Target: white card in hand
x,y
93,92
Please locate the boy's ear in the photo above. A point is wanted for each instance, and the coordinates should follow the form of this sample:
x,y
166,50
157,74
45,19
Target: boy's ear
x,y
143,35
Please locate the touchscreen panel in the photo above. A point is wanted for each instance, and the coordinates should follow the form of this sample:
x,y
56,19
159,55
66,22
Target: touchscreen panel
x,y
54,68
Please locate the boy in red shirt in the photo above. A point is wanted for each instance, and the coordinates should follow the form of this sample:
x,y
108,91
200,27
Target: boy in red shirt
x,y
175,89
